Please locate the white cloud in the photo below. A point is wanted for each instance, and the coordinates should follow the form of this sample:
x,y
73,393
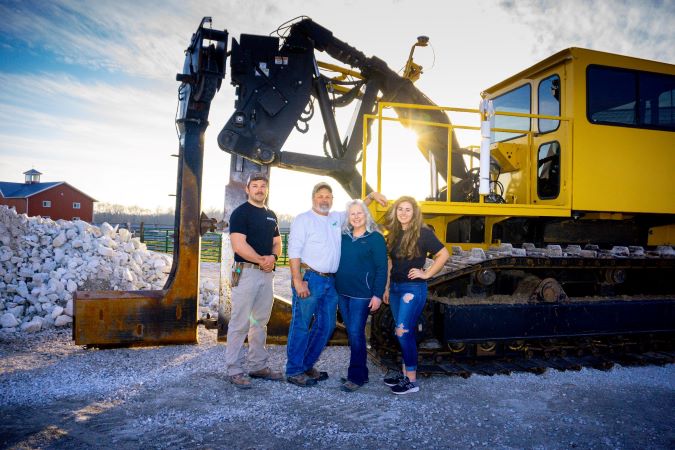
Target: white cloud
x,y
643,29
138,38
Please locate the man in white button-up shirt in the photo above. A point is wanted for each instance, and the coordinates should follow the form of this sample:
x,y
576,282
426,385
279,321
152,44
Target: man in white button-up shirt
x,y
314,254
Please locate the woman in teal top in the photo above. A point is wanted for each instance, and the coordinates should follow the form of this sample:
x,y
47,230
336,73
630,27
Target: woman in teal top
x,y
360,282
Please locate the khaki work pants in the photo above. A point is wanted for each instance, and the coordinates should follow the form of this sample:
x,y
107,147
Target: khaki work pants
x,y
252,302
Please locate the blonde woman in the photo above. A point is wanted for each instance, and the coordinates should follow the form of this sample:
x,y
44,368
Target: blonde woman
x,y
409,242
360,282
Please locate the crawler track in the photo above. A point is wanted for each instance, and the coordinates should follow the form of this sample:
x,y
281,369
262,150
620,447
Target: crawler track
x,y
529,309
562,356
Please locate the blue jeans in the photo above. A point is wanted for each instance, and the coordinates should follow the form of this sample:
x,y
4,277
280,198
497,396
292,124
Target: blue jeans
x,y
304,344
355,314
407,301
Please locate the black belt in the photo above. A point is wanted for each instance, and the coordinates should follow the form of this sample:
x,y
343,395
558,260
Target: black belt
x,y
323,274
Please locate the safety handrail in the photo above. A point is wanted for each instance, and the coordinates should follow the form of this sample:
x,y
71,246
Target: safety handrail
x,y
380,118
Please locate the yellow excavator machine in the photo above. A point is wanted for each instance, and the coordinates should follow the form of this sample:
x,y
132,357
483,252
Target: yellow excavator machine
x,y
559,214
563,256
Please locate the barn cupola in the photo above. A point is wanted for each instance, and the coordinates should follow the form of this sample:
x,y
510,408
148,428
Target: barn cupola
x,y
32,176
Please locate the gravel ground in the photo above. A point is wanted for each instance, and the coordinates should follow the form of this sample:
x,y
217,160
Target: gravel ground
x,y
58,395
55,394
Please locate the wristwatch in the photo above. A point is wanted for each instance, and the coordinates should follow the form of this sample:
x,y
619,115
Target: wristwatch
x,y
276,257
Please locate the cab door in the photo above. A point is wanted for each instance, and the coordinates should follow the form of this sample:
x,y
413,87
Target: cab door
x,y
550,149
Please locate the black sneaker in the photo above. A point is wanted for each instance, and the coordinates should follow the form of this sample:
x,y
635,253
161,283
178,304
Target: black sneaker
x,y
394,379
405,387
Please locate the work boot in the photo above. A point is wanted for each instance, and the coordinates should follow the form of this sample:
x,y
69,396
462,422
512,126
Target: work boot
x,y
343,380
266,374
349,386
301,380
316,375
241,381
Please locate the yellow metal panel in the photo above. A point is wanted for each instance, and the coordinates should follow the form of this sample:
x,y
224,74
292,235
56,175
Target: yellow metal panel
x,y
482,209
339,69
664,235
515,187
438,224
510,156
616,168
605,154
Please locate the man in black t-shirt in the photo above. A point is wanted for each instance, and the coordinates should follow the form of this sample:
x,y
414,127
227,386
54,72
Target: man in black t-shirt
x,y
256,242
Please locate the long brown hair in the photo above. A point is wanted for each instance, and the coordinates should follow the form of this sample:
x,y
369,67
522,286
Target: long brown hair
x,y
408,248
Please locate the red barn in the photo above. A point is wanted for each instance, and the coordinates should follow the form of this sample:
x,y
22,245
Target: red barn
x,y
56,200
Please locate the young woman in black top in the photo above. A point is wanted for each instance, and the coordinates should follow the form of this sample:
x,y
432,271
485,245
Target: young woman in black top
x,y
409,242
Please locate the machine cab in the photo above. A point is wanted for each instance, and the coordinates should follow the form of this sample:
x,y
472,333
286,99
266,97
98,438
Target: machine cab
x,y
612,150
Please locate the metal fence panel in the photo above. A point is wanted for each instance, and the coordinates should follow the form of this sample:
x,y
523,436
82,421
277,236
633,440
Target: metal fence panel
x,y
161,240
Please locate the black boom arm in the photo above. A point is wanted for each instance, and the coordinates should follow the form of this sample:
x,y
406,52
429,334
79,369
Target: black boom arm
x,y
274,84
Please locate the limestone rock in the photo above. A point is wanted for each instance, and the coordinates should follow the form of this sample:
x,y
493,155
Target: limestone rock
x,y
105,251
69,308
43,262
16,311
124,235
57,311
8,320
59,240
33,326
63,320
47,322
106,229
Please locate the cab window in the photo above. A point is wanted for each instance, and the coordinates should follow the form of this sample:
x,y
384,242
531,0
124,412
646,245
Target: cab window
x,y
657,105
548,170
630,98
517,101
548,99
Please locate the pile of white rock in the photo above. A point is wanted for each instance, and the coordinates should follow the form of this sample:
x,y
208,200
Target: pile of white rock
x,y
43,262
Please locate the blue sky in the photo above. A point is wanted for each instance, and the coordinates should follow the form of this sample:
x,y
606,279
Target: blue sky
x,y
89,90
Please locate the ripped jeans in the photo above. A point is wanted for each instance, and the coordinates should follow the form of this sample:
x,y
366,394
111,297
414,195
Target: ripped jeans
x,y
407,301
